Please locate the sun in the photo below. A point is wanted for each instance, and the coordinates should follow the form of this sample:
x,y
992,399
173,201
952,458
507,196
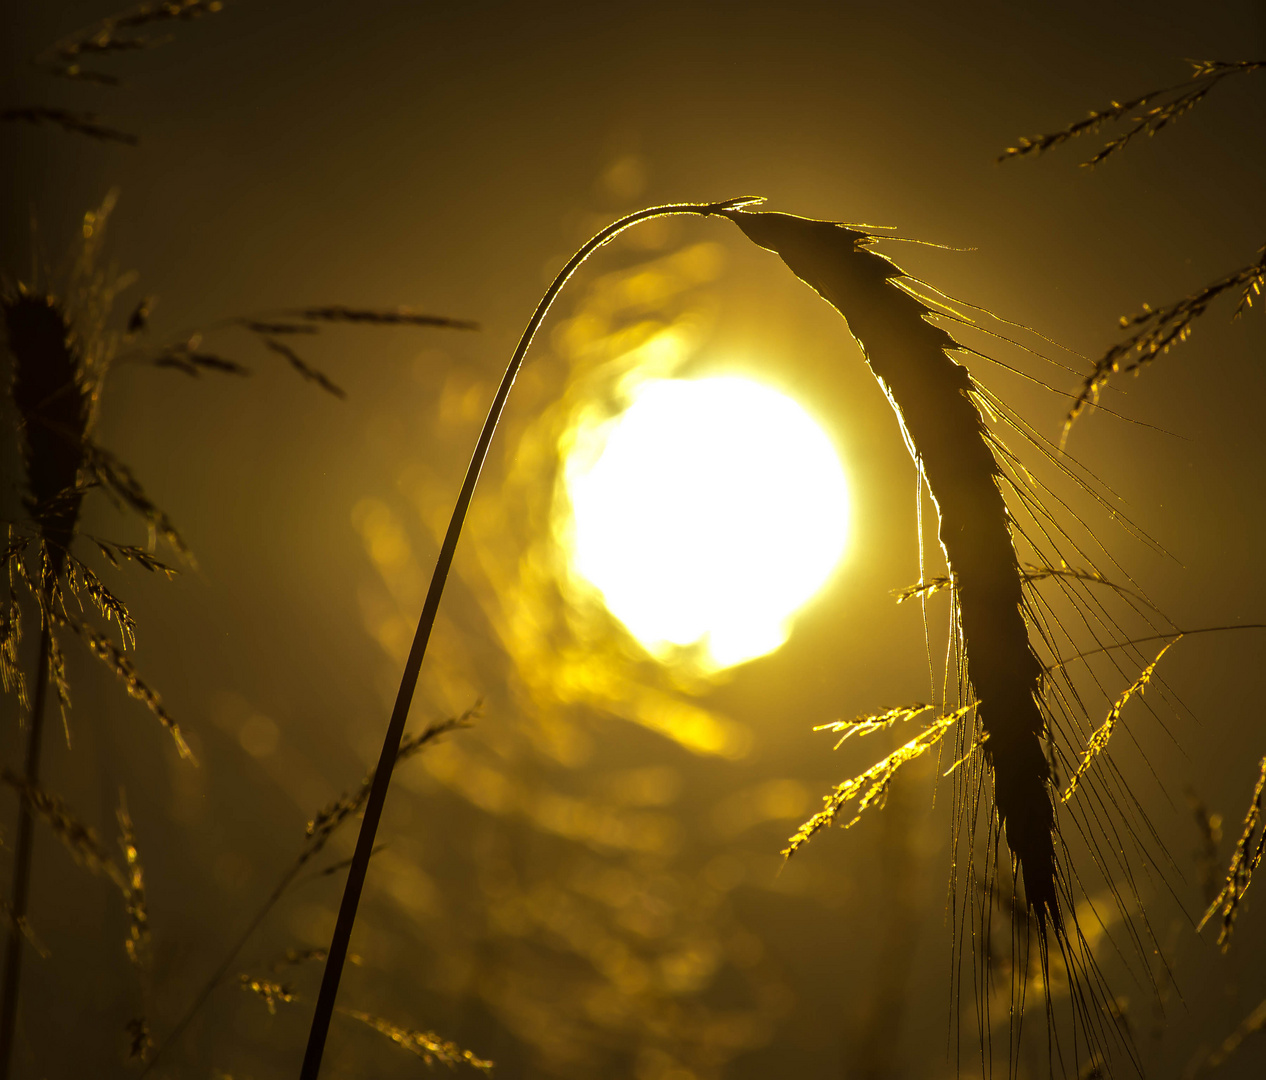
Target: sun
x,y
706,514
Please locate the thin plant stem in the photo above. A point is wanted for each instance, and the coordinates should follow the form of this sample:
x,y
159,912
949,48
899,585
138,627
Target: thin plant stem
x,y
22,864
217,977
408,683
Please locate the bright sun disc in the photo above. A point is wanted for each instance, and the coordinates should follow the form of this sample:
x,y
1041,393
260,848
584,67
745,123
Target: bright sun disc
x,y
706,514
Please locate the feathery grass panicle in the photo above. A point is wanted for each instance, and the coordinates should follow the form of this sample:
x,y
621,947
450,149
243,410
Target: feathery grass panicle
x,y
426,1044
105,650
133,883
12,677
1246,859
114,552
140,1041
1167,105
138,321
53,402
78,123
80,577
183,358
57,672
316,836
117,479
868,725
380,317
1156,330
921,590
187,357
329,818
80,839
265,328
1099,739
304,368
295,957
872,785
271,992
116,34
23,926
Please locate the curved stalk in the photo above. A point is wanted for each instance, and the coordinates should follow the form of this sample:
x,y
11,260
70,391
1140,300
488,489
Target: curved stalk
x,y
408,682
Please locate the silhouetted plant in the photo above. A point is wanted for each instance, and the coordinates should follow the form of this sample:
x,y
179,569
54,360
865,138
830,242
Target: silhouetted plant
x,y
941,410
1154,330
62,350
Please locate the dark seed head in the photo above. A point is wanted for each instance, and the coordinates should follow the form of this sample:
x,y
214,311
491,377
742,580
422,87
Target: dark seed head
x,y
54,409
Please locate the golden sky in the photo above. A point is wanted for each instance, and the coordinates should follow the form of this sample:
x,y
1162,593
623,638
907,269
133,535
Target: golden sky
x,y
587,883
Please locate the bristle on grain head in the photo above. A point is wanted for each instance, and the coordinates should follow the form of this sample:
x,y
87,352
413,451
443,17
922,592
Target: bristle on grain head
x,y
945,434
53,409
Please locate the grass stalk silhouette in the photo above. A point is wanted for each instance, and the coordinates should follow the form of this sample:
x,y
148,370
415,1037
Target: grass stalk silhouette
x,y
377,796
54,402
22,864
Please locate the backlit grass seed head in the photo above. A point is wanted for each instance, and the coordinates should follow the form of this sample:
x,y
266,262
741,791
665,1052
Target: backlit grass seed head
x,y
105,650
79,839
23,926
1157,330
133,884
271,992
1099,739
140,1042
872,785
868,725
12,677
426,1044
1249,851
1148,114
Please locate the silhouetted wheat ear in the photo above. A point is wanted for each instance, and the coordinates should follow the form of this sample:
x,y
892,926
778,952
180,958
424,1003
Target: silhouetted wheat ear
x,y
946,435
54,409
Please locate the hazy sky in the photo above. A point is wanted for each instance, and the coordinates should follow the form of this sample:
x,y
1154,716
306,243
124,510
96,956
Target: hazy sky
x,y
450,157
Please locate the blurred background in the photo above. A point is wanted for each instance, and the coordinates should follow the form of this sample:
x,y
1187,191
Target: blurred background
x,y
588,881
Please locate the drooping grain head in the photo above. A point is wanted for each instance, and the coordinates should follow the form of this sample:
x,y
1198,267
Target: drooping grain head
x,y
53,409
945,431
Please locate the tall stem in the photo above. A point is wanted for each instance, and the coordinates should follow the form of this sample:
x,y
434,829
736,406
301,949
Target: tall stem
x,y
22,865
408,682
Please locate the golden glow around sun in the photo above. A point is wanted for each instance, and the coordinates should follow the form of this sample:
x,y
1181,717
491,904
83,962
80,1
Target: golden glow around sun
x,y
706,514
